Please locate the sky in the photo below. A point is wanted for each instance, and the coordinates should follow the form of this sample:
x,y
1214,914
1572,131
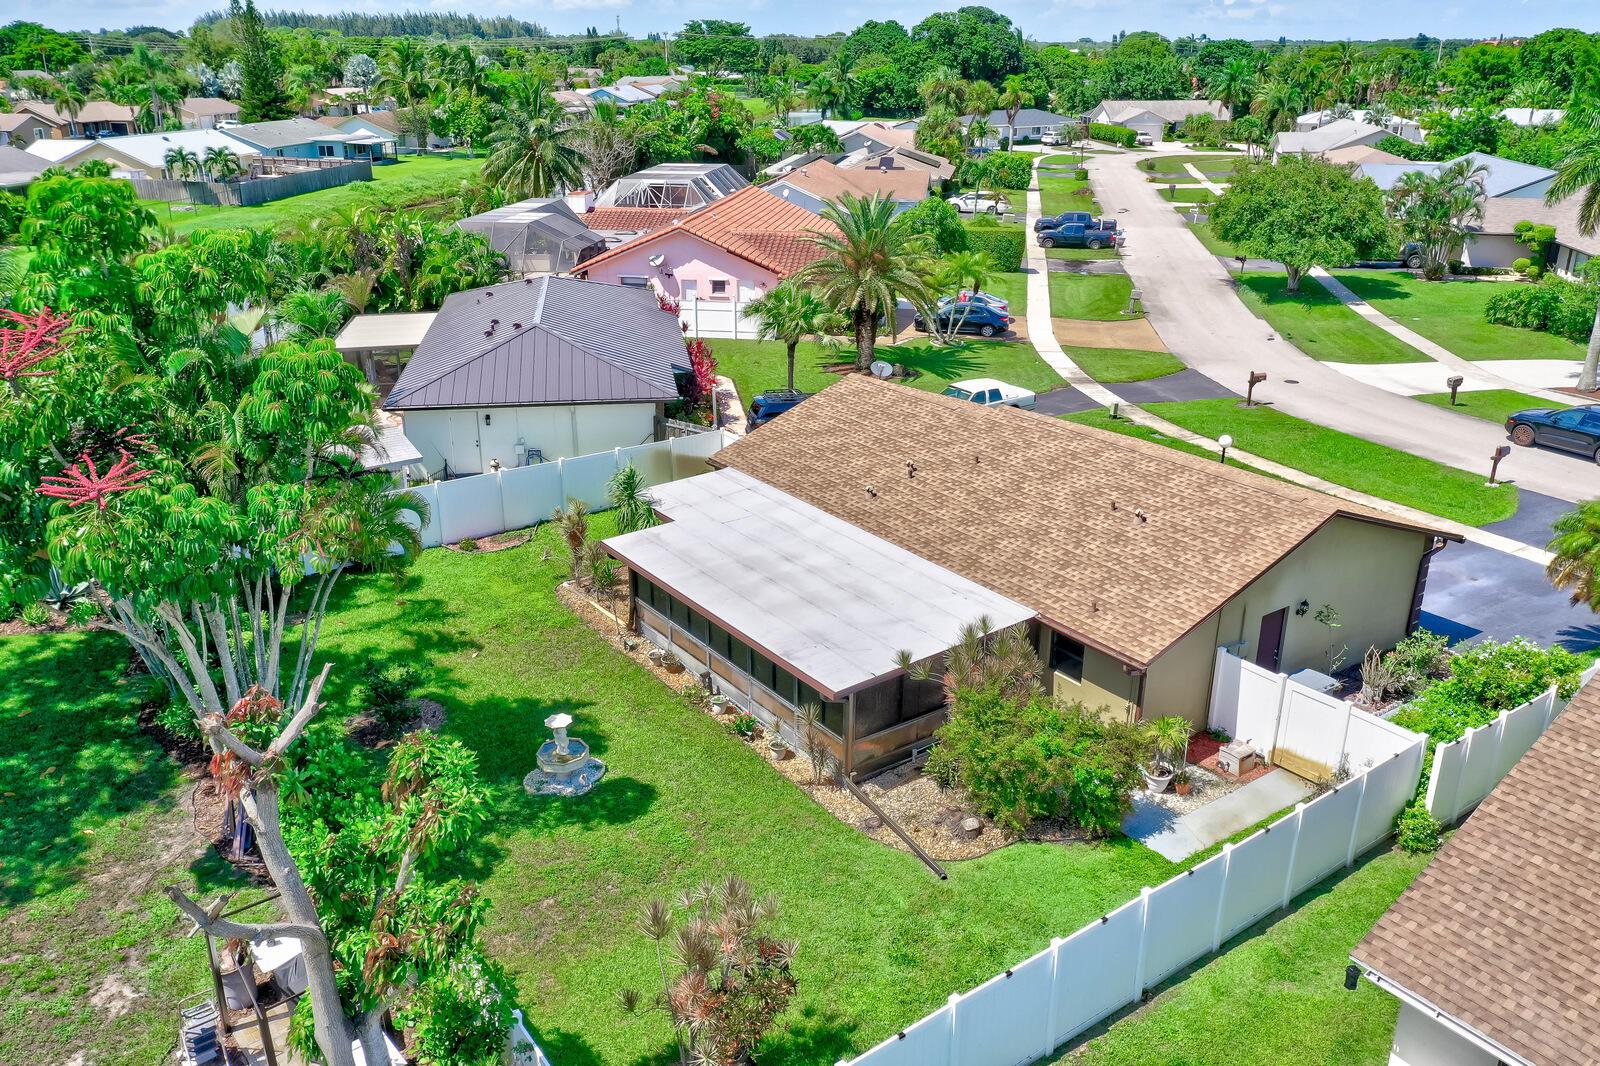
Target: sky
x,y
1045,20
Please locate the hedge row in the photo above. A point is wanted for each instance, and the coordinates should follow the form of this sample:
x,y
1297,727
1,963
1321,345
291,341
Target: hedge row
x,y
1122,135
1004,244
1555,305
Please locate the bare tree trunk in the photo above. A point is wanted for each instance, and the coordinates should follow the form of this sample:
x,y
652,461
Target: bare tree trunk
x,y
866,324
1294,277
1591,359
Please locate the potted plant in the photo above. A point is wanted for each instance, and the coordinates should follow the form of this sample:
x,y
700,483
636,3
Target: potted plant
x,y
1182,783
656,655
779,747
720,703
1169,741
744,723
671,663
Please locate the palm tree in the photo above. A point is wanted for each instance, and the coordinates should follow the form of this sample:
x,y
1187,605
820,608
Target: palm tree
x,y
404,76
1013,98
1575,566
309,313
979,131
221,163
180,162
532,151
93,168
960,271
158,78
1578,174
68,99
1250,132
867,267
828,92
1234,84
781,96
1435,209
943,87
1278,103
790,314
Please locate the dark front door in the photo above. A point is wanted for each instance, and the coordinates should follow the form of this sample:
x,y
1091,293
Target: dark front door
x,y
1269,644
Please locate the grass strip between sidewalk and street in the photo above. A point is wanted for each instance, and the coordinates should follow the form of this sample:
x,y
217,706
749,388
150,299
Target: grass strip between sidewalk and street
x,y
1316,322
1492,405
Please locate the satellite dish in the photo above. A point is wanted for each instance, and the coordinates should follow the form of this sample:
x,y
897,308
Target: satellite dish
x,y
881,369
657,260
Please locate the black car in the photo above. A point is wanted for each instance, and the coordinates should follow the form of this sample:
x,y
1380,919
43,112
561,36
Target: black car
x,y
770,404
1572,429
972,316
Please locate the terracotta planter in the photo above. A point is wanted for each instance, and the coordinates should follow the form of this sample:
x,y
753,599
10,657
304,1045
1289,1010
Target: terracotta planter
x,y
1183,788
656,655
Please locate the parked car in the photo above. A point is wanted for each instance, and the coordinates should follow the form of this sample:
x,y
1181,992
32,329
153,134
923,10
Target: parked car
x,y
1050,137
770,404
1003,306
970,203
974,316
1143,140
991,392
1572,429
1074,235
1412,255
1082,218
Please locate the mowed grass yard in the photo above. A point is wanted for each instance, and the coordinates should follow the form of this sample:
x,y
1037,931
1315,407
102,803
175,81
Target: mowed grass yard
x,y
1450,313
1278,989
1314,321
756,366
881,940
1112,365
94,822
1097,297
412,180
1493,405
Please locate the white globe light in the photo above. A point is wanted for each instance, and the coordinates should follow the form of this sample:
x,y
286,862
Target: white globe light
x,y
1225,440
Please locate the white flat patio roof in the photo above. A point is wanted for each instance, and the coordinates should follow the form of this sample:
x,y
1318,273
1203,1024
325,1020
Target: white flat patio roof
x,y
379,333
832,603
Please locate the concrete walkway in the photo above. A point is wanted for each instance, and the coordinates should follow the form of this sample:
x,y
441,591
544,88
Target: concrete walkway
x,y
1176,837
1190,300
1206,183
1477,377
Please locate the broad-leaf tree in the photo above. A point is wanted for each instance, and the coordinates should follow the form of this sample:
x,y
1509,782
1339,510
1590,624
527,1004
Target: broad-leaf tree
x,y
1303,213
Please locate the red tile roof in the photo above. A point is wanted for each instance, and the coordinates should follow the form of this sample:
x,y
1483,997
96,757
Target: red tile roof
x,y
752,223
634,219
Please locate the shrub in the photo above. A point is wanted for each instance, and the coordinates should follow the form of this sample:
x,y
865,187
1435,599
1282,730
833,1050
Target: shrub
x,y
1416,830
996,170
1203,130
388,688
1485,681
1521,265
35,614
744,723
176,718
1025,759
1102,131
1555,305
13,209
83,612
1418,661
1003,244
469,544
939,221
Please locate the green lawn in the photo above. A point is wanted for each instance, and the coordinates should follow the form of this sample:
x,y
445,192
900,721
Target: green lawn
x,y
1065,194
413,180
1012,288
1314,321
1209,165
1346,460
1278,988
881,941
94,822
1450,313
1098,297
1186,194
1080,253
1494,405
1100,418
758,365
1214,244
1123,364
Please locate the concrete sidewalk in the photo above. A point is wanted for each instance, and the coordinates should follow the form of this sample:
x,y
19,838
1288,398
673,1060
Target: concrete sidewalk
x,y
1176,837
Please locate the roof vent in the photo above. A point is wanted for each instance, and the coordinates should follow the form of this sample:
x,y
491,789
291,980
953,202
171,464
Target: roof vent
x,y
487,293
1113,505
516,325
1138,512
911,468
872,493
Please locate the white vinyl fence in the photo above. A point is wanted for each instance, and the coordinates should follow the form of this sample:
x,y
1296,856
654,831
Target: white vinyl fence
x,y
718,318
1465,771
523,1050
1307,731
515,498
1040,1004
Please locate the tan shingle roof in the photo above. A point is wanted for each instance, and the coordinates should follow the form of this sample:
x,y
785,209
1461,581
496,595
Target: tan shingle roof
x,y
827,181
1041,510
751,223
1499,931
1502,213
213,106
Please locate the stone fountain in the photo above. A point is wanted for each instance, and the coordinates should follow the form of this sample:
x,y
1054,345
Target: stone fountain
x,y
565,766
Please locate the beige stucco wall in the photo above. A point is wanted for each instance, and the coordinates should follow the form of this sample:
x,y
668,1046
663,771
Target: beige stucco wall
x,y
468,442
1367,572
1179,682
1105,687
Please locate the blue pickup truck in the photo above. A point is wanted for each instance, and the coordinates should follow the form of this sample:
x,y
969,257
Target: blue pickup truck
x,y
1077,235
1066,218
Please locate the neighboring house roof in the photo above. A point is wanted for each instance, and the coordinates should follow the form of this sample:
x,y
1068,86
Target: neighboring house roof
x,y
1533,116
546,340
882,134
12,121
387,121
58,150
394,332
572,101
208,106
635,220
37,110
1043,511
1498,932
146,149
1500,177
1336,134
550,220
912,158
285,133
1167,110
18,167
1028,116
1362,154
1501,215
829,182
752,224
672,185
833,602
105,111
623,94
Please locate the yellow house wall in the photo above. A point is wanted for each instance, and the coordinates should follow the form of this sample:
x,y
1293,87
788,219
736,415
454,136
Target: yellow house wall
x,y
1105,686
1179,682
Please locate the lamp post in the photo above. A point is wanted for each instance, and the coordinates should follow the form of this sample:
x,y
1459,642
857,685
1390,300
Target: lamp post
x,y
1227,442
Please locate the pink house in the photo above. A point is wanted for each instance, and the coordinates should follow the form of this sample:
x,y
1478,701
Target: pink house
x,y
719,257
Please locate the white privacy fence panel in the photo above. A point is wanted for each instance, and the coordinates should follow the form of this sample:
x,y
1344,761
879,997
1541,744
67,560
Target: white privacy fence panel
x,y
518,497
1029,1011
522,1049
1308,731
1465,771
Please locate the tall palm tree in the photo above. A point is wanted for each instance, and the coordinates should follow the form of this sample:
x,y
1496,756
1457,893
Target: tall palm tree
x,y
531,150
867,266
791,314
943,87
828,92
979,131
180,162
1435,210
981,98
1575,566
1578,174
158,78
960,271
404,74
781,95
1278,103
1234,84
1013,98
68,99
221,163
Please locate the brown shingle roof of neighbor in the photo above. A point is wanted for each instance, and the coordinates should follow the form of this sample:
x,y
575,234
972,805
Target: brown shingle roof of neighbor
x,y
751,223
1043,511
208,105
1502,213
1499,931
824,179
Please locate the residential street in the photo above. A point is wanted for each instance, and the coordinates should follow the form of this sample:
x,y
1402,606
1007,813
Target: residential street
x,y
1189,298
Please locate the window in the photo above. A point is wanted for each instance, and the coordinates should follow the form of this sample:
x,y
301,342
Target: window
x,y
1567,419
325,151
699,627
634,281
719,288
739,654
1066,656
721,642
679,614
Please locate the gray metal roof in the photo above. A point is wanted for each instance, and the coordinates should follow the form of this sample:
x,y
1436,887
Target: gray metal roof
x,y
1028,116
550,220
1500,177
545,340
18,167
285,133
831,602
